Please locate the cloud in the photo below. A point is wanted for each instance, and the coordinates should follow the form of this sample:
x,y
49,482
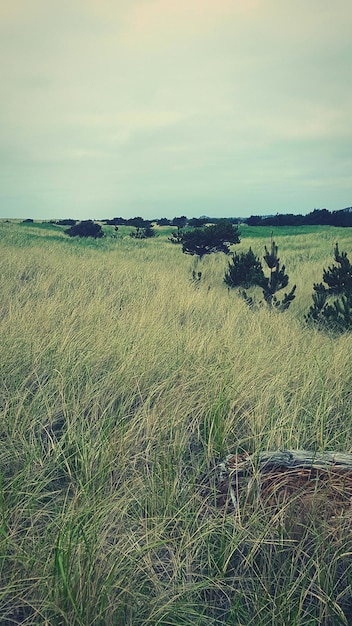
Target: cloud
x,y
119,98
155,23
130,120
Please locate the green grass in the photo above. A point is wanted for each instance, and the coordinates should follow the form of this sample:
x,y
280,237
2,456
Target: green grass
x,y
121,384
283,231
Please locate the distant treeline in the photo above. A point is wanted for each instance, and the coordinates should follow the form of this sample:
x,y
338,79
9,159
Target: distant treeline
x,y
164,221
321,217
318,217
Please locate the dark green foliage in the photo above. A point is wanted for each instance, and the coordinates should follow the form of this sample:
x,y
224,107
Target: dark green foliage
x,y
208,239
342,218
143,233
138,233
65,222
333,314
198,222
244,270
115,221
149,232
177,236
143,228
180,222
86,228
339,278
276,281
137,222
163,221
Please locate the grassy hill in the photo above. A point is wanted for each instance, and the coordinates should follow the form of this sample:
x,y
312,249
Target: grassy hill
x,y
122,383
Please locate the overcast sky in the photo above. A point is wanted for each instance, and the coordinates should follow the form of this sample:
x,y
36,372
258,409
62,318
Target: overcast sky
x,y
169,107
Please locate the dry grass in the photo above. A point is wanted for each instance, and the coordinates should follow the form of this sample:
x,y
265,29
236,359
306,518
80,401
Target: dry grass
x,y
122,382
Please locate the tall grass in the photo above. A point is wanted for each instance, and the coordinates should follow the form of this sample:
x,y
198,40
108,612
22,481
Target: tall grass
x,y
122,383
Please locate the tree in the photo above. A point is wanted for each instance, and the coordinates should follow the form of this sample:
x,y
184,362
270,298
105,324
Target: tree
x,y
176,235
115,221
86,228
143,228
65,222
328,313
197,222
276,281
254,220
208,239
139,224
149,232
163,221
318,216
180,222
244,270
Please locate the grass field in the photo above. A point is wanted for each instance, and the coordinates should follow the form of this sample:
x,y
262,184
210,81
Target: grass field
x,y
122,383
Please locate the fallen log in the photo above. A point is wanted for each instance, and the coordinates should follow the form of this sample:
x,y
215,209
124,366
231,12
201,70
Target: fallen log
x,y
280,476
267,460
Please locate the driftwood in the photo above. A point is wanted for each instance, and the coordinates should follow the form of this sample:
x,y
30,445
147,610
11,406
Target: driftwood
x,y
265,461
279,476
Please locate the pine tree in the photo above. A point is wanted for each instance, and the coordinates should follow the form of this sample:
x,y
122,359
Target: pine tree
x,y
276,281
244,270
177,236
328,313
143,228
208,239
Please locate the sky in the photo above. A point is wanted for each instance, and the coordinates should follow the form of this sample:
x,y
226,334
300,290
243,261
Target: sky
x,y
162,108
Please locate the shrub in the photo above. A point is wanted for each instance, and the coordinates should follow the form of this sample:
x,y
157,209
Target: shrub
x,y
143,233
163,221
143,228
86,228
328,313
176,236
180,222
244,270
149,232
276,281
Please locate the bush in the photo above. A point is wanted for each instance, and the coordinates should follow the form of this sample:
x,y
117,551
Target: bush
x,y
244,270
86,228
149,232
143,233
177,235
333,314
276,281
143,228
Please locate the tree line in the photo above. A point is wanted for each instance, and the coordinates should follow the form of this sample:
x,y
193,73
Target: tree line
x,y
318,217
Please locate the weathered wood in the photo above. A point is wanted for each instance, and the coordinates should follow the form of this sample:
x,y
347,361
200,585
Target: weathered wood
x,y
278,474
289,459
